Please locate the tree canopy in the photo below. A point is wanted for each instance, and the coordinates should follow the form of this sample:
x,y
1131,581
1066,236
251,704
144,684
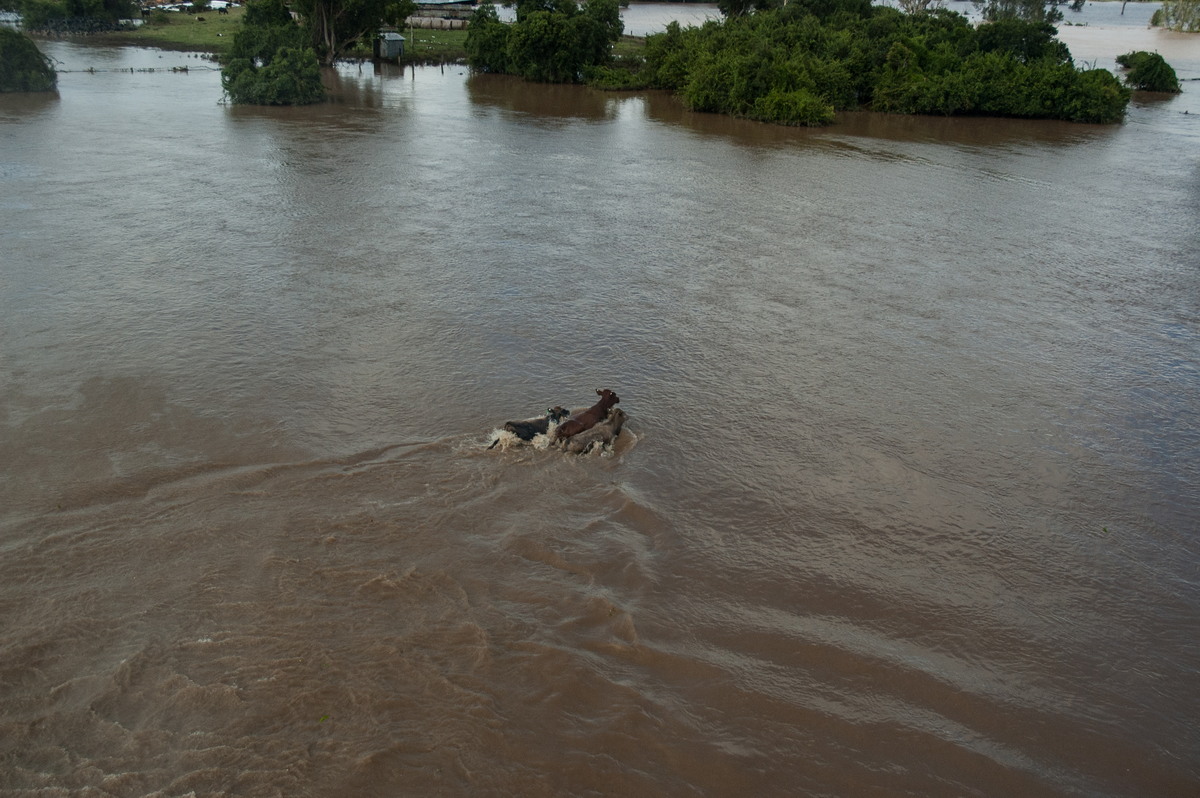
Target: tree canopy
x,y
800,63
270,61
552,41
1149,72
23,67
1024,10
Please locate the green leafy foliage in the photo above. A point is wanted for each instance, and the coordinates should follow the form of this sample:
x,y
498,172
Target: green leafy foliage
x,y
1149,72
1025,10
487,40
1180,15
552,41
737,8
293,77
270,61
23,67
802,62
267,28
798,107
1028,41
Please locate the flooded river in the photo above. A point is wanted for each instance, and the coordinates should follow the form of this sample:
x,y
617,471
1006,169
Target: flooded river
x,y
907,503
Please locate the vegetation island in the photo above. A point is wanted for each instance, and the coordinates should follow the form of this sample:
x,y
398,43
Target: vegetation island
x,y
22,65
791,62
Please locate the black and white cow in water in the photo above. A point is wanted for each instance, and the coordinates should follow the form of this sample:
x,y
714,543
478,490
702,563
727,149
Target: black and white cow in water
x,y
530,428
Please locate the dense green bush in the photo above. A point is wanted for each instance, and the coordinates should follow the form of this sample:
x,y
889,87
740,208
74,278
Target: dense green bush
x,y
552,41
23,67
1024,10
799,107
292,77
1149,72
802,62
270,61
487,40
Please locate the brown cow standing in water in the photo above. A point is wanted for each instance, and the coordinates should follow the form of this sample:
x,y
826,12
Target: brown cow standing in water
x,y
588,418
603,434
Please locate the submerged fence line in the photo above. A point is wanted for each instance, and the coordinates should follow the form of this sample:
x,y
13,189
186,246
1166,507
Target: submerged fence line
x,y
131,70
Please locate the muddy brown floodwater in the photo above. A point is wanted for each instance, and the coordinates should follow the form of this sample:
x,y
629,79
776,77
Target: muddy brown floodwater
x,y
907,502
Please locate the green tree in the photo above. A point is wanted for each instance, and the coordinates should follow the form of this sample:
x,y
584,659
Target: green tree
x,y
552,41
292,77
1027,40
338,25
270,62
1026,10
23,67
1180,15
597,29
802,62
267,27
738,8
1149,72
487,40
540,47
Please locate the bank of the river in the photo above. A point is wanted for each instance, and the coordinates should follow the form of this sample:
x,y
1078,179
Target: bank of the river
x,y
213,33
204,33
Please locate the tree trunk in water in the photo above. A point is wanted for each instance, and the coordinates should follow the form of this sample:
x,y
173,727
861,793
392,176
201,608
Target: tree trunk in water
x,y
327,35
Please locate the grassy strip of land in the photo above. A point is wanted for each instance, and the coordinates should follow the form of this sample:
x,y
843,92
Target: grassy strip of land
x,y
209,32
422,46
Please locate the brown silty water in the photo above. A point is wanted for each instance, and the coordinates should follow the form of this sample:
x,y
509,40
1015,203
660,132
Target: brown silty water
x,y
906,502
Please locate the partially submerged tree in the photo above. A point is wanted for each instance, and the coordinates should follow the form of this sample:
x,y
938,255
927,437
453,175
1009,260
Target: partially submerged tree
x,y
23,67
801,63
1180,15
552,41
918,6
1149,72
487,40
270,62
338,25
1024,10
737,8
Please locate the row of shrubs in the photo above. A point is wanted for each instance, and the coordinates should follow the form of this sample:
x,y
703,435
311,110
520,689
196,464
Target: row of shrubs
x,y
801,63
794,65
